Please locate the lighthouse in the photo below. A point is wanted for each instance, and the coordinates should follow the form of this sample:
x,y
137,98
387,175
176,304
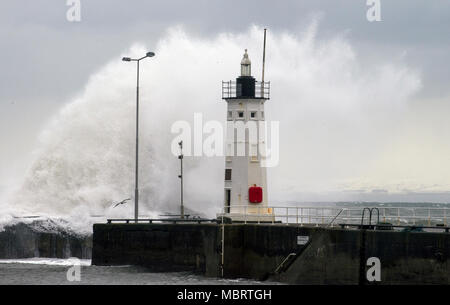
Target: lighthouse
x,y
245,185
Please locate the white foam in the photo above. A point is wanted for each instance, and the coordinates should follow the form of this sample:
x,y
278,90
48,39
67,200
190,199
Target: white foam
x,y
48,261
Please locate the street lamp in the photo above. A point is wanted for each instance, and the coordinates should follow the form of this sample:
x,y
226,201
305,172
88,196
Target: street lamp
x,y
136,190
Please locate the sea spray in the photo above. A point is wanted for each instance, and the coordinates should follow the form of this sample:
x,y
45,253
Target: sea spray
x,y
330,107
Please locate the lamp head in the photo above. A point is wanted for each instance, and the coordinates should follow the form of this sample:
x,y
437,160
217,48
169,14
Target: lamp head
x,y
150,54
126,59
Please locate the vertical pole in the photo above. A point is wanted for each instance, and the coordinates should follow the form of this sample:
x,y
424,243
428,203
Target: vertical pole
x,y
181,180
264,64
273,215
136,190
287,216
301,217
245,214
182,203
223,246
259,214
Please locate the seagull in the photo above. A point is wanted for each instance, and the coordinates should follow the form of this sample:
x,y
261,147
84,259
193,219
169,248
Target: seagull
x,y
122,202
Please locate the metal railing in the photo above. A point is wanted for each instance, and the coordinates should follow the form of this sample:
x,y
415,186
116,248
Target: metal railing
x,y
230,90
286,259
302,215
162,220
412,228
318,216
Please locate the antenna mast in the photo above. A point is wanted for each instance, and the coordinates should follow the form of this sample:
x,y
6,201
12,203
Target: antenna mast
x,y
264,63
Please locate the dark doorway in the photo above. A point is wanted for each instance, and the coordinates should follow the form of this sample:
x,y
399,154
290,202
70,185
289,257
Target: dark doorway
x,y
227,200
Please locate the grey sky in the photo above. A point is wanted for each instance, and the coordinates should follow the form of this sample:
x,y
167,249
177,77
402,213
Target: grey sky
x,y
47,56
46,59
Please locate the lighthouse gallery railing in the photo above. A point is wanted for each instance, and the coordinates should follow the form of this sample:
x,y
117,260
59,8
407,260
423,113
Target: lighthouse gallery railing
x,y
229,90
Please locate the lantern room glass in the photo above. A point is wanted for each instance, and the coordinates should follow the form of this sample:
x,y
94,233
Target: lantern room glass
x,y
246,70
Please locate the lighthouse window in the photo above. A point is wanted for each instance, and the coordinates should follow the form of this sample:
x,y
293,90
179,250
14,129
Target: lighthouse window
x,y
230,115
241,114
253,114
228,174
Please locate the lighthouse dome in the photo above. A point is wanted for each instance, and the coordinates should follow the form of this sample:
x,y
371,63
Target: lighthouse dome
x,y
245,60
246,65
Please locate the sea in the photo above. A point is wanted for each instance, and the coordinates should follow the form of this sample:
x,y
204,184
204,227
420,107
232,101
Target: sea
x,y
51,271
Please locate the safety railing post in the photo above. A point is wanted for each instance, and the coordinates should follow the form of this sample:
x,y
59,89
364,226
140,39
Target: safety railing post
x,y
317,218
287,216
259,214
245,215
301,217
445,217
296,214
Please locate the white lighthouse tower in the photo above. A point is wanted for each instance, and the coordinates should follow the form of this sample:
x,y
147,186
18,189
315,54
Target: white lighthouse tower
x,y
245,191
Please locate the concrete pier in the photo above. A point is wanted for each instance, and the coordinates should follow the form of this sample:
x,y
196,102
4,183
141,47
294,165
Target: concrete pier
x,y
160,247
280,252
